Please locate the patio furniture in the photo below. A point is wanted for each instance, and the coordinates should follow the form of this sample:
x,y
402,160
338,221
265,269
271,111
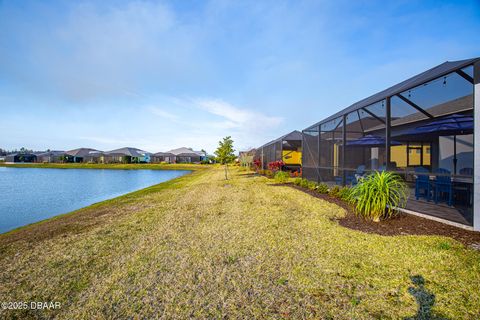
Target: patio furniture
x,y
422,183
360,172
443,185
466,172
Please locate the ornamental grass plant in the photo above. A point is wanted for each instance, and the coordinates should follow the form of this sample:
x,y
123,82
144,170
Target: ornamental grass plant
x,y
378,195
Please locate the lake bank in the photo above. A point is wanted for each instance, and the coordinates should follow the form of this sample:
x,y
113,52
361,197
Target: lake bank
x,y
200,246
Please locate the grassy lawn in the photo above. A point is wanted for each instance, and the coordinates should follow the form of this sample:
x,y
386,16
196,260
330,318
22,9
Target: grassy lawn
x,y
202,247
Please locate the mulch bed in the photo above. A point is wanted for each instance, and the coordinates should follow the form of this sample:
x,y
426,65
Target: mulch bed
x,y
403,224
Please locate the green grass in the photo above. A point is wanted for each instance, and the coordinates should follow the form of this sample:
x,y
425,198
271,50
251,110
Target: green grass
x,y
202,247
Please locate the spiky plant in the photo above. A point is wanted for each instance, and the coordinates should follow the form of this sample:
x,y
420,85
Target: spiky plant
x,y
378,195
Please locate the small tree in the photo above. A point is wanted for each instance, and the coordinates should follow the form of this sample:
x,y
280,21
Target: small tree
x,y
225,153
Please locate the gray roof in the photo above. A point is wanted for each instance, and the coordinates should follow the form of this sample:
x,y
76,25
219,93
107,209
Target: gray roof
x,y
53,153
188,154
426,76
163,154
128,151
295,135
81,152
184,150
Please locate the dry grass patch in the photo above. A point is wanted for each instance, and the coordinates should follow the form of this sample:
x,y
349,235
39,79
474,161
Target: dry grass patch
x,y
203,247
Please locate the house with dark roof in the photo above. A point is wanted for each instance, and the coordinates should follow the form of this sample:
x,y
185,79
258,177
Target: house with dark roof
x,y
187,155
50,156
82,155
20,157
127,155
163,157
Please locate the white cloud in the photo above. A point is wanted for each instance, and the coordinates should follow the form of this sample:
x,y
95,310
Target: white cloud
x,y
238,117
162,113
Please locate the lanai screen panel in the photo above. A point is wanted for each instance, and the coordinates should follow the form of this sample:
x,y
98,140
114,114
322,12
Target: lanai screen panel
x,y
310,154
365,140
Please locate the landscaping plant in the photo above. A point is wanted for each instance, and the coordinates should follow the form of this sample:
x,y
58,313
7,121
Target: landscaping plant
x,y
269,173
297,181
304,183
378,195
225,153
344,193
312,185
322,188
334,191
275,165
281,177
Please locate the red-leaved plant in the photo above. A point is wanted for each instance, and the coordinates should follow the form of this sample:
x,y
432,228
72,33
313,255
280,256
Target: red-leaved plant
x,y
275,165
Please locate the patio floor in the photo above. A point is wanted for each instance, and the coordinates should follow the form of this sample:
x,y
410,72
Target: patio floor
x,y
441,210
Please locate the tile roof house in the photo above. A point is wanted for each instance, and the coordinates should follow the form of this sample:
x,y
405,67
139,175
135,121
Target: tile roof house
x,y
81,155
127,155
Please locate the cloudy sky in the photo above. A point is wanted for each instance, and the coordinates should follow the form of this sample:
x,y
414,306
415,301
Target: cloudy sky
x,y
164,74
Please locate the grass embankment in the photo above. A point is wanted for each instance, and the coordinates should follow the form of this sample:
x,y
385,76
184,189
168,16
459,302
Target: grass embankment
x,y
202,247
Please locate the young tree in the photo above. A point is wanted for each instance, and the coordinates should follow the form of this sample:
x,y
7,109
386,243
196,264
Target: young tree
x,y
225,153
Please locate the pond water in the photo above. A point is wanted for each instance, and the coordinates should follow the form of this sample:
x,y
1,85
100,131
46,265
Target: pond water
x,y
29,195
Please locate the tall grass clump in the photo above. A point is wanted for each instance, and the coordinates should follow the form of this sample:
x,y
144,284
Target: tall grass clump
x,y
377,195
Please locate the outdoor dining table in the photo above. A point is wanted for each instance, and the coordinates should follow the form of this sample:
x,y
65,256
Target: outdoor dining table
x,y
462,184
459,183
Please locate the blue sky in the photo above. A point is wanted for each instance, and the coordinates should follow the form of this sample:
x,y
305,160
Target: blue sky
x,y
164,74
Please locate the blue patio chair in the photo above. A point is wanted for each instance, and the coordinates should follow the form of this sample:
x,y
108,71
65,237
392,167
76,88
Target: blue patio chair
x,y
422,183
466,171
443,185
360,172
349,180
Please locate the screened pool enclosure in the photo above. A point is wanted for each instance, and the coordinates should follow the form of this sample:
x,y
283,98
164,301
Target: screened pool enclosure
x,y
421,128
287,148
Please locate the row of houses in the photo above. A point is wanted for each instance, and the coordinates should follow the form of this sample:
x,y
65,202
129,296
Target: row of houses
x,y
424,129
122,155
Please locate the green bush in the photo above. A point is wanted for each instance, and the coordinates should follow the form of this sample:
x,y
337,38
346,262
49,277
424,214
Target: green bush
x,y
322,188
378,195
269,173
334,191
312,185
304,183
281,177
297,181
344,193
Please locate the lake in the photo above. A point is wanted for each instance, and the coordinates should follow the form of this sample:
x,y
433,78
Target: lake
x,y
29,195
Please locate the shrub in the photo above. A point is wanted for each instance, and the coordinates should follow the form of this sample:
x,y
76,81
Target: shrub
x,y
261,172
312,185
269,173
378,195
344,193
304,183
297,181
281,177
322,188
275,165
257,164
334,191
